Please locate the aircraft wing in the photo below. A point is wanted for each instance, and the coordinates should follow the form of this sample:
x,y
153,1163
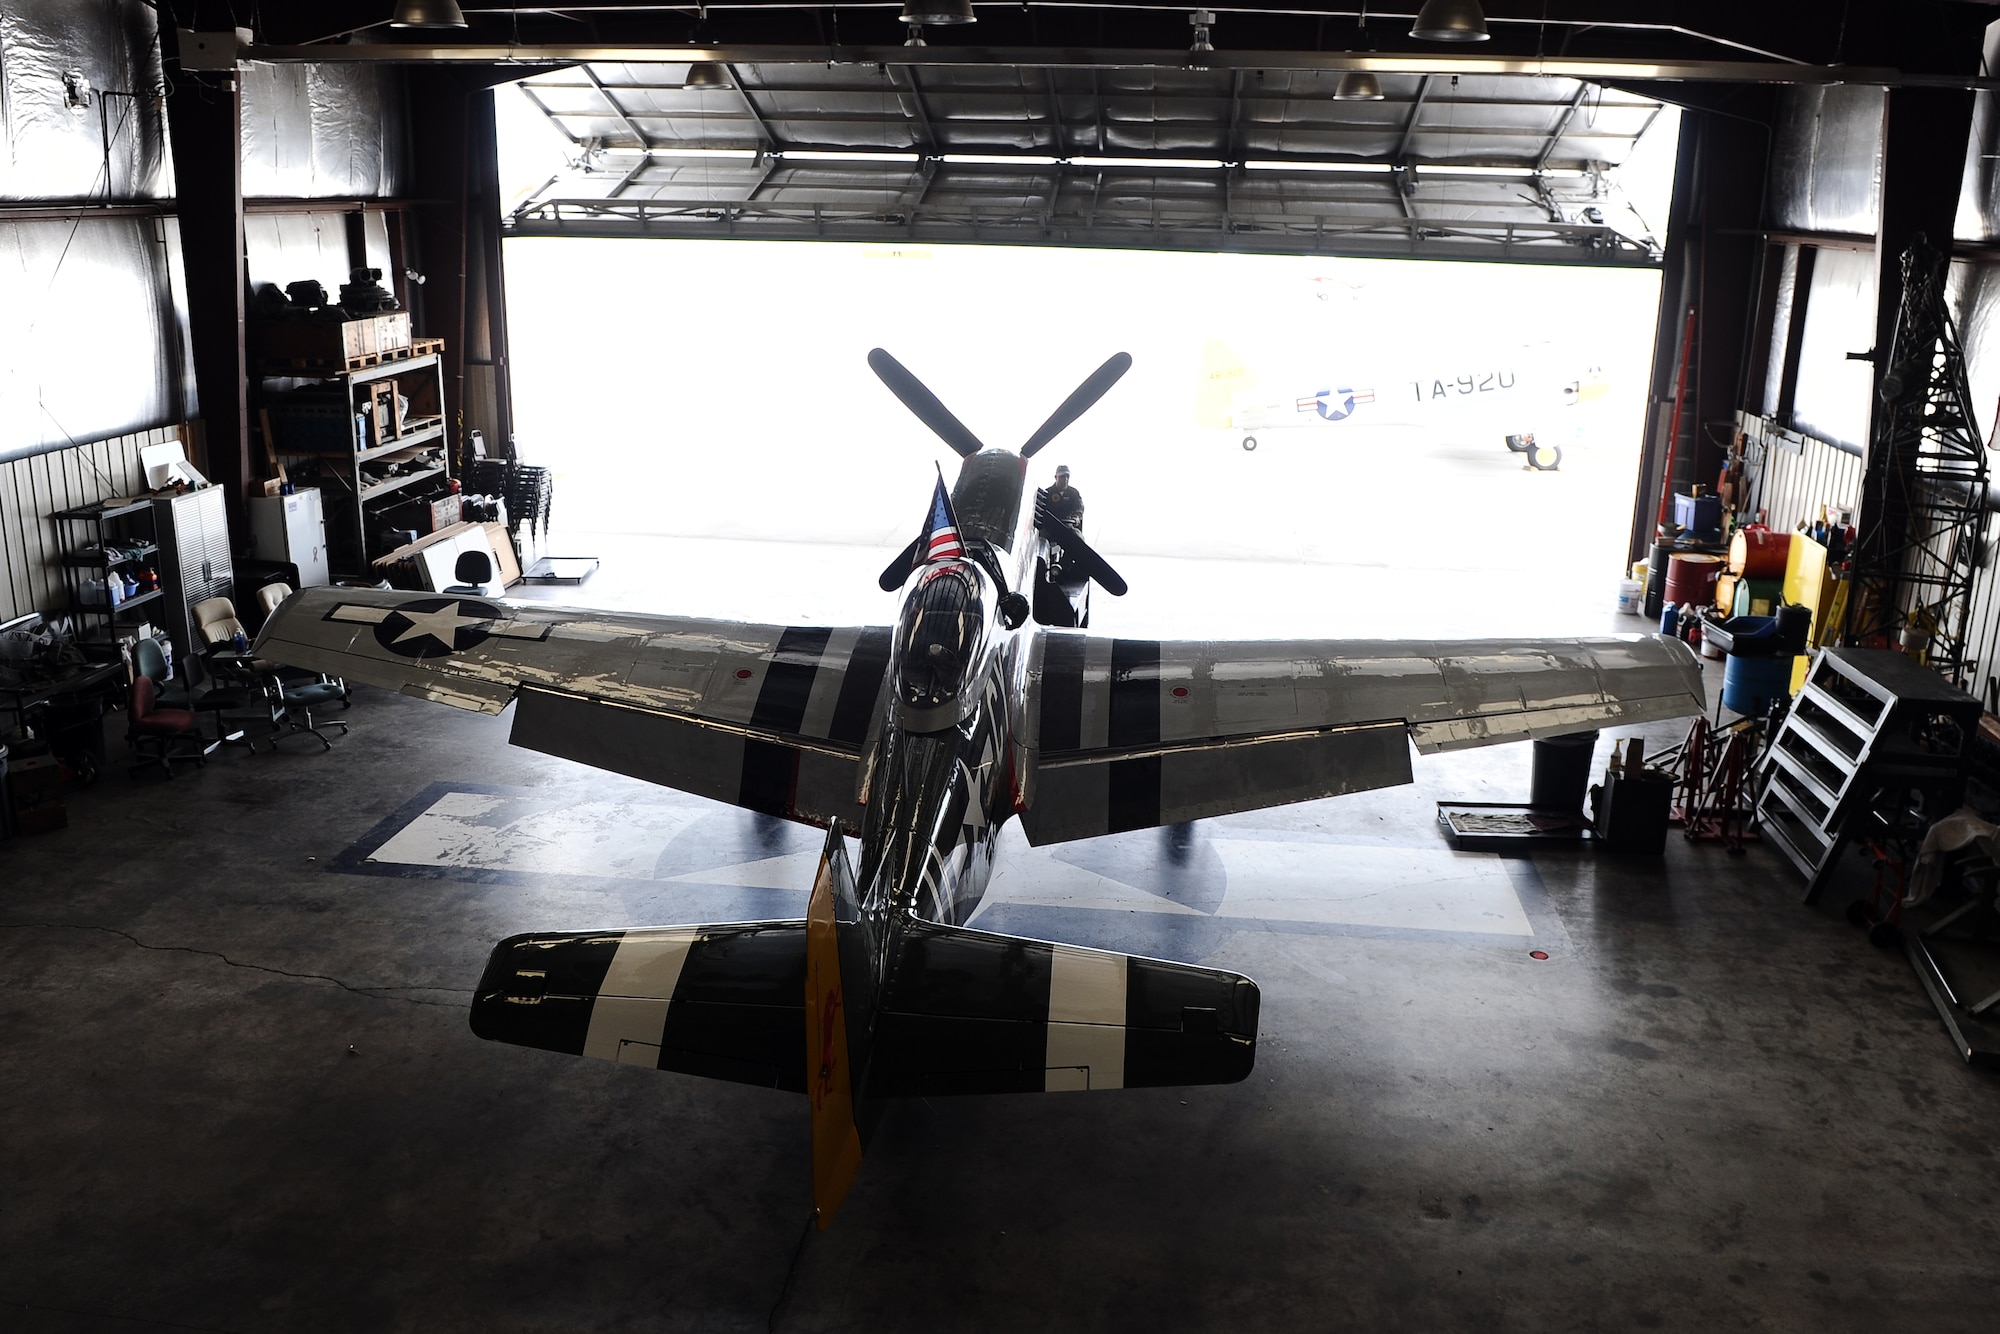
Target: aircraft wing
x,y
771,718
1131,734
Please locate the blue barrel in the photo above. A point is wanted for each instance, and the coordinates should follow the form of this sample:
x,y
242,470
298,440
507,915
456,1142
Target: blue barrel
x,y
1749,685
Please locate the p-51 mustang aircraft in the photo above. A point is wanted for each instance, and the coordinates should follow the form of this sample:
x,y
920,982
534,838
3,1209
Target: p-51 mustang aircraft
x,y
928,735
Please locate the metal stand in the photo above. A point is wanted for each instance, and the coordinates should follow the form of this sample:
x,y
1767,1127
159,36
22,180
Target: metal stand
x,y
1924,510
1869,731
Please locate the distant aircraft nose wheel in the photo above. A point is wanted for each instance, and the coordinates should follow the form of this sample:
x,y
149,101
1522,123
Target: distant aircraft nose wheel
x,y
1249,442
1544,458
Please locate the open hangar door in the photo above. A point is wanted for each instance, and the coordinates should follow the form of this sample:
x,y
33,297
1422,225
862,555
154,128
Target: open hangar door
x,y
1314,435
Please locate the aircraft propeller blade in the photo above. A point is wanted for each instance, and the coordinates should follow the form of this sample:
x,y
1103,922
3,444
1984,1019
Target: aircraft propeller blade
x,y
929,410
1075,405
1076,550
899,569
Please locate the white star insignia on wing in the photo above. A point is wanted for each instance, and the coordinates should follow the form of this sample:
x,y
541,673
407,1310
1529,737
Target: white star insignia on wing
x,y
442,625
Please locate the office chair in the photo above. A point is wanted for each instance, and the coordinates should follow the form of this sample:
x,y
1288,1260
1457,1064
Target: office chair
x,y
474,571
270,597
215,619
150,662
161,736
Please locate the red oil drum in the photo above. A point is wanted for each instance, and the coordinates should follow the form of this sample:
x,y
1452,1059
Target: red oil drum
x,y
1691,578
1758,553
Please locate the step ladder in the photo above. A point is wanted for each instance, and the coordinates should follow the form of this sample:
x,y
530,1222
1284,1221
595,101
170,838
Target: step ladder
x,y
1875,745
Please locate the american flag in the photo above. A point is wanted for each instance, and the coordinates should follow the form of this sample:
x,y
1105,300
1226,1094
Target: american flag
x,y
941,532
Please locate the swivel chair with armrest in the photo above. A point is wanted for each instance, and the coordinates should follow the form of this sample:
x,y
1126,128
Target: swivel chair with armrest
x,y
161,736
288,699
216,701
300,693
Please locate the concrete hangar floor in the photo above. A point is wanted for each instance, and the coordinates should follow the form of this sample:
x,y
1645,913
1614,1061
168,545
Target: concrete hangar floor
x,y
241,1094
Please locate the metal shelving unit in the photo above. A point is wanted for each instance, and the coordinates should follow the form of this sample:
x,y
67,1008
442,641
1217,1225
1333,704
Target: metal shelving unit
x,y
351,449
88,535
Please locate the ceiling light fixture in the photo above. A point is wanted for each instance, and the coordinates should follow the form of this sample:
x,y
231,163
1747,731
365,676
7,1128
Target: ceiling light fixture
x,y
925,12
1450,21
705,74
1359,85
1201,18
427,14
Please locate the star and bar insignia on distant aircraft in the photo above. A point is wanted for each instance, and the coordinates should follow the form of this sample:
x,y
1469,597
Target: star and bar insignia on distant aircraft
x,y
434,627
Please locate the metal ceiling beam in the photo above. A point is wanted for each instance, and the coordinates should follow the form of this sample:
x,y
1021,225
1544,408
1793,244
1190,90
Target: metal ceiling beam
x,y
616,109
750,105
1059,138
1555,137
1439,62
930,144
1260,94
1366,242
1410,125
554,119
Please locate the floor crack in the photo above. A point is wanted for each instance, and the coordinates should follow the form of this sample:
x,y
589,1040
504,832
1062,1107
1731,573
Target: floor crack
x,y
374,993
791,1272
108,1315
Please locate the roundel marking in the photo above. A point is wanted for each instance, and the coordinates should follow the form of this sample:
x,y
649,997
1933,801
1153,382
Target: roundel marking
x,y
436,627
1336,411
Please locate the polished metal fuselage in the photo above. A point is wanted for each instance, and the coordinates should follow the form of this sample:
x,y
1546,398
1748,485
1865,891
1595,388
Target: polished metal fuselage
x,y
937,798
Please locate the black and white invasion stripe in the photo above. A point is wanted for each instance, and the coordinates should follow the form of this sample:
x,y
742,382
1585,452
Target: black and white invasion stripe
x,y
965,1011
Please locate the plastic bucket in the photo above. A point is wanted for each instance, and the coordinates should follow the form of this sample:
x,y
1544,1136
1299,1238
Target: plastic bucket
x,y
1749,685
1631,596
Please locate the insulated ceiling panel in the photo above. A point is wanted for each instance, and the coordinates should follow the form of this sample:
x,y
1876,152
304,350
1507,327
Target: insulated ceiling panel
x,y
1489,166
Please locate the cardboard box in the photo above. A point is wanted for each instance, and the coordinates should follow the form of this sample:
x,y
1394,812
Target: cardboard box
x,y
506,564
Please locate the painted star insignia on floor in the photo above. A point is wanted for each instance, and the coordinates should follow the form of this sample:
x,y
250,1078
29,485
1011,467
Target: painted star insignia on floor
x,y
442,625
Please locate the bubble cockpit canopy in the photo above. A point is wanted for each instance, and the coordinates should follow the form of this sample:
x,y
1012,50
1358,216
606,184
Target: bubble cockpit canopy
x,y
939,636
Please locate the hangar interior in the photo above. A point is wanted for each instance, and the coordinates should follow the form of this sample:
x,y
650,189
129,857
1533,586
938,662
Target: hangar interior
x,y
1546,1061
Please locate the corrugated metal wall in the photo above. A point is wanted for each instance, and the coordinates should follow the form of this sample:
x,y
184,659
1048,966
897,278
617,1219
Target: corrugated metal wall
x,y
93,317
1793,474
90,341
31,489
1826,160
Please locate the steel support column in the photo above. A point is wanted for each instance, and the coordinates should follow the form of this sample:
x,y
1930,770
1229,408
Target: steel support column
x,y
455,164
1711,264
204,113
1923,160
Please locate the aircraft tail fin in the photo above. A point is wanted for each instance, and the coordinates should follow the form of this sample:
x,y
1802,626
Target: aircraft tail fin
x,y
1223,377
839,1011
783,1004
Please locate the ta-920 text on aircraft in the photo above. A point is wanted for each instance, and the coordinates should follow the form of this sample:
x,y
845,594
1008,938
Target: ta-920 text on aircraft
x,y
1523,388
926,736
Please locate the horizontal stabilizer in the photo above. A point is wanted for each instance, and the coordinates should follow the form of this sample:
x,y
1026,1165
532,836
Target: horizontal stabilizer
x,y
962,1011
972,1012
723,1001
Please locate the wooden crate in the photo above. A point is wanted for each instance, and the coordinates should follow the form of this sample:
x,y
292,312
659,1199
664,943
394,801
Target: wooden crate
x,y
344,345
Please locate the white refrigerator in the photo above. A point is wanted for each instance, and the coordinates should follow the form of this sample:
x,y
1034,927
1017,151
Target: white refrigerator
x,y
291,529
